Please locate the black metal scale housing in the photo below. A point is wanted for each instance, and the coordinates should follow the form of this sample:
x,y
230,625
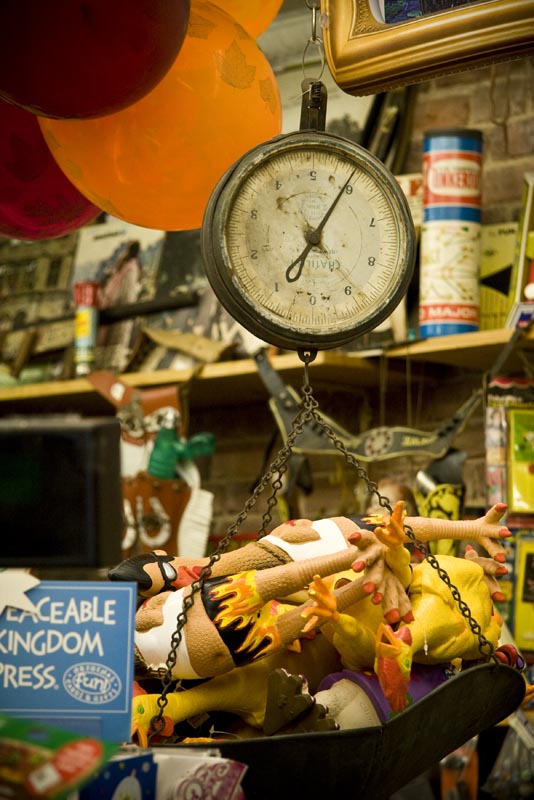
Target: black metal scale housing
x,y
308,241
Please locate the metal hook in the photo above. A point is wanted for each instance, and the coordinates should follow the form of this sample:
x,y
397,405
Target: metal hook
x,y
315,40
307,356
318,43
314,21
313,105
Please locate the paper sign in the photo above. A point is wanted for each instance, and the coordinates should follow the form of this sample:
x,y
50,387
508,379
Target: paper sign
x,y
66,653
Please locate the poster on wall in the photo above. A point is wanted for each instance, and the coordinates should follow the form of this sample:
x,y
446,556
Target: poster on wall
x,y
35,296
521,461
35,281
124,260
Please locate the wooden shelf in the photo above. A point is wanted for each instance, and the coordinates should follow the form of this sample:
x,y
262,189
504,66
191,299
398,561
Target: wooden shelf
x,y
214,384
230,382
477,351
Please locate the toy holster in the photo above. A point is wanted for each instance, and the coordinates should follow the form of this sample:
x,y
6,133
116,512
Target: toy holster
x,y
153,507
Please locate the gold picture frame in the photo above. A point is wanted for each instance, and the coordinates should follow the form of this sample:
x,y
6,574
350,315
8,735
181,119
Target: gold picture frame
x,y
366,56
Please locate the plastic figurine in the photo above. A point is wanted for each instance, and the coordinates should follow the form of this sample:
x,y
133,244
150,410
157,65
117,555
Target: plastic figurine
x,y
239,618
296,540
234,619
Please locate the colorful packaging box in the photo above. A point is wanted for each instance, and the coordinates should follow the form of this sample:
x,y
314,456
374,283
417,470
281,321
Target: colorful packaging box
x,y
497,253
126,776
184,773
67,652
524,595
520,307
43,761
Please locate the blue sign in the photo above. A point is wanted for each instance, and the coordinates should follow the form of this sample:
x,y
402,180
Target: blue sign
x,y
66,653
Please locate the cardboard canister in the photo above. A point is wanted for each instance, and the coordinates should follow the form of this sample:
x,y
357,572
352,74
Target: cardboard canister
x,y
449,301
85,325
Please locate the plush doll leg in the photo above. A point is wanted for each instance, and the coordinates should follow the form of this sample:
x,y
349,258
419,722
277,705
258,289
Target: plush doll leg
x,y
296,540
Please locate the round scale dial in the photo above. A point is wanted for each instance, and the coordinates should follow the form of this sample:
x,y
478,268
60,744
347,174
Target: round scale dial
x,y
308,241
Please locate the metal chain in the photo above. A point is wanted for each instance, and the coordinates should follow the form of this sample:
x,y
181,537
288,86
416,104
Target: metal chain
x,y
308,413
273,473
485,647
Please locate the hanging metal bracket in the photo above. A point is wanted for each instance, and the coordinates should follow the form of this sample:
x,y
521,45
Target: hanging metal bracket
x,y
373,445
313,106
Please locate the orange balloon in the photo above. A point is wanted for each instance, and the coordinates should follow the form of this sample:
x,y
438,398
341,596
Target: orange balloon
x,y
254,15
156,162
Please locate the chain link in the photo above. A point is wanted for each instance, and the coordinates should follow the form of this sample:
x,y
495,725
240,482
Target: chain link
x,y
485,647
308,413
273,473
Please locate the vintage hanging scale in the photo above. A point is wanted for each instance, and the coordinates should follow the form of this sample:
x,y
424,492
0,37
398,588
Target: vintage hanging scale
x,y
308,242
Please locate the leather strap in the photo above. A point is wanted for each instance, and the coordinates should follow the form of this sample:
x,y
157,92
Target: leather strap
x,y
133,403
119,394
373,445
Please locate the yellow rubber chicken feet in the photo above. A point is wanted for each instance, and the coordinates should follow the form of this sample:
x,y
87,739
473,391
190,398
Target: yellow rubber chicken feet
x,y
324,606
492,570
393,664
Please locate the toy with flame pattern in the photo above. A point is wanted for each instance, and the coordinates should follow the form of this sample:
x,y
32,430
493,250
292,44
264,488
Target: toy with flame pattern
x,y
238,624
233,619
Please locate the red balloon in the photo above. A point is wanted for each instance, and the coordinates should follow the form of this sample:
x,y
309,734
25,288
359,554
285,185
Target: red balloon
x,y
86,58
37,201
155,163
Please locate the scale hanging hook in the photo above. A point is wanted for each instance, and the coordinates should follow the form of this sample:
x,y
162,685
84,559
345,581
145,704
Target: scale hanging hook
x,y
307,355
314,40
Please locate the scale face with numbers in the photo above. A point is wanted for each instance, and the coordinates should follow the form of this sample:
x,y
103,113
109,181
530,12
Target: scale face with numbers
x,y
308,241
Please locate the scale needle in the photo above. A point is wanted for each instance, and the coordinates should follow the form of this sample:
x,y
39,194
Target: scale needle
x,y
314,237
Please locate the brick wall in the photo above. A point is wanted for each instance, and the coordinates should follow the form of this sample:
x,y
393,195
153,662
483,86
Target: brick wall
x,y
244,440
499,101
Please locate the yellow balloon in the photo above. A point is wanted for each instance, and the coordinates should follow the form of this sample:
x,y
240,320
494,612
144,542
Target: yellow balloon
x,y
156,162
254,15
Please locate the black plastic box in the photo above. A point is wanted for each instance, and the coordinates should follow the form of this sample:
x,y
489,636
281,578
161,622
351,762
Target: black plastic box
x,y
60,491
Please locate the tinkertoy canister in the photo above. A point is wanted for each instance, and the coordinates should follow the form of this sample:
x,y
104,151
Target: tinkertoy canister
x,y
449,300
85,325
